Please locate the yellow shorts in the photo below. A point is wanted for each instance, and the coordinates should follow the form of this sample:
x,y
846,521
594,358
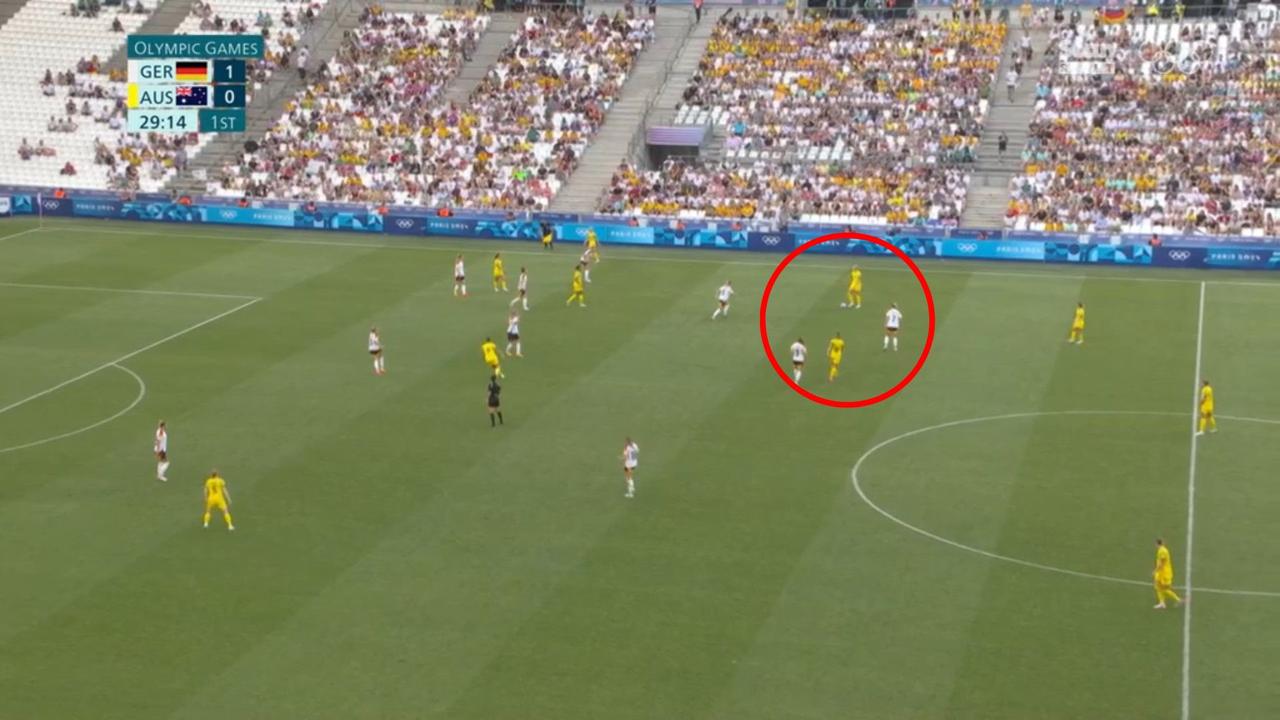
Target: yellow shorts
x,y
491,361
215,503
835,359
1077,327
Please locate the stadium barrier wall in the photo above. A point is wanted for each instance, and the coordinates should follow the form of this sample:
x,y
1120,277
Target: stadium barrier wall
x,y
924,243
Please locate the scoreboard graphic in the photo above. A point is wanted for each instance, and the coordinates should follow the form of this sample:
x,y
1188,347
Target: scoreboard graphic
x,y
188,83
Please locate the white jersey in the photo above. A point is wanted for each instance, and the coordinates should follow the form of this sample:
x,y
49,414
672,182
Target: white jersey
x,y
798,352
162,441
523,283
725,293
513,326
459,270
586,256
631,456
375,342
893,319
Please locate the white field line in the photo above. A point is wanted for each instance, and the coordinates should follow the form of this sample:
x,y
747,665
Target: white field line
x,y
1191,513
663,255
20,233
857,486
142,393
93,288
128,355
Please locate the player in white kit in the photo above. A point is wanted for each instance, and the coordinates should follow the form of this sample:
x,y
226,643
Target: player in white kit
x,y
513,333
722,295
522,288
161,449
375,349
586,261
892,324
459,277
798,354
630,460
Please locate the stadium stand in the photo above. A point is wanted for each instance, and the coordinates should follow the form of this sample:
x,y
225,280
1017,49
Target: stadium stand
x,y
1161,127
39,137
377,136
842,121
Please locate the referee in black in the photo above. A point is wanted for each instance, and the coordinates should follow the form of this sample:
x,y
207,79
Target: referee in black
x,y
495,412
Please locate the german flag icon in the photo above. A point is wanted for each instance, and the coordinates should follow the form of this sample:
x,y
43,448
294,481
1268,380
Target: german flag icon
x,y
192,71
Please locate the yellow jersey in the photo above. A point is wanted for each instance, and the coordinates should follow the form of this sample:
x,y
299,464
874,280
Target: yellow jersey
x,y
214,488
489,350
497,267
1079,319
577,281
591,239
1206,398
1164,564
835,349
855,279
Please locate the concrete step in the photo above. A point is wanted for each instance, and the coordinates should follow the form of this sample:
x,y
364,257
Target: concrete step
x,y
166,18
9,8
622,132
496,38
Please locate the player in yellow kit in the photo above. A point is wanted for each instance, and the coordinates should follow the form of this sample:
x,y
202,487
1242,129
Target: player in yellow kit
x,y
593,244
1206,409
1077,326
489,349
835,353
853,298
217,497
1163,575
576,288
499,274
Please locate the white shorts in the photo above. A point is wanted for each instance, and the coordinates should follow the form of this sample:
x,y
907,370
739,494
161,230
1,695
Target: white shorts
x,y
629,466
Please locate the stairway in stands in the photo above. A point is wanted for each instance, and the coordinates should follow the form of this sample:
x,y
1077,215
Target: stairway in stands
x,y
626,119
496,37
166,18
988,197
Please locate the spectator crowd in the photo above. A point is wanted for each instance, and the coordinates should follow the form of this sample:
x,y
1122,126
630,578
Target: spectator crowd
x,y
1155,128
374,128
829,120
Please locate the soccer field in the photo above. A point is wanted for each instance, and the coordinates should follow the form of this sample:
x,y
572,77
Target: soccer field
x,y
395,557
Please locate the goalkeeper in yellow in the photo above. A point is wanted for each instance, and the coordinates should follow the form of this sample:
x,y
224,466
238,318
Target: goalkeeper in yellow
x,y
835,353
1163,575
217,497
853,298
577,290
1077,326
1206,409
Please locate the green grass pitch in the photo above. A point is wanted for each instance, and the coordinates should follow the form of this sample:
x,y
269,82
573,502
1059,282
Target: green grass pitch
x,y
394,557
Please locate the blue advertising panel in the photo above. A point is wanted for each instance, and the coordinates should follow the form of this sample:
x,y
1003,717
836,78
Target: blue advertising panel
x,y
1090,253
1242,257
613,234
268,217
770,242
91,207
56,206
405,225
1024,250
321,218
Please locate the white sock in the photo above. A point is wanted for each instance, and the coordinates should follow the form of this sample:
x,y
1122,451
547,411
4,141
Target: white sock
x,y
455,288
375,365
518,351
464,288
715,314
895,344
886,342
631,487
587,275
797,374
513,301
526,304
726,311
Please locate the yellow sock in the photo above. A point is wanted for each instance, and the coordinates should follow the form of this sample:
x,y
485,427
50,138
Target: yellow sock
x,y
206,518
857,300
1213,423
1202,423
831,374
227,516
1173,595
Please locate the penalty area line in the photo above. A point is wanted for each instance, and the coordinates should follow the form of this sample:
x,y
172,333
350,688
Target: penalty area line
x,y
128,355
